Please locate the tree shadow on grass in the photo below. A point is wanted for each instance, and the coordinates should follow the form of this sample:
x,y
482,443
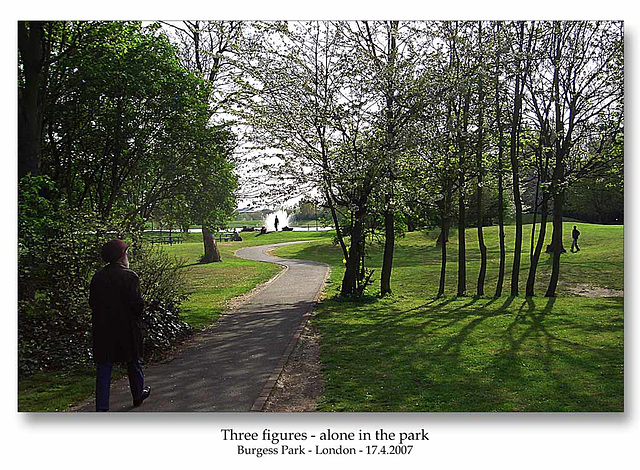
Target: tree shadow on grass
x,y
478,356
564,372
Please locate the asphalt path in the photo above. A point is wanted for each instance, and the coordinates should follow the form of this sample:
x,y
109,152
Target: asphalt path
x,y
233,365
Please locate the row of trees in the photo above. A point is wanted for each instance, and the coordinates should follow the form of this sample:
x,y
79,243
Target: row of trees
x,y
391,118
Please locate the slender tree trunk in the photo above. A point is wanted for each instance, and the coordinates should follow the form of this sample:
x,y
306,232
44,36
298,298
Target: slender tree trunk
x,y
480,175
558,174
387,259
535,257
514,153
556,243
535,216
501,235
462,224
211,253
503,251
443,237
350,281
462,255
389,224
444,228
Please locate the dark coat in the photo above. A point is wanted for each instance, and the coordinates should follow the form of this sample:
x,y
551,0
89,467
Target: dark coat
x,y
117,306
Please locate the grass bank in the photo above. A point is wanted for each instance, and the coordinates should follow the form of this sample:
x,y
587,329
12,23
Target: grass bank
x,y
411,352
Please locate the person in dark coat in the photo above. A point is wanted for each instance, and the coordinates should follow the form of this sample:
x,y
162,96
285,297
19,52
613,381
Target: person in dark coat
x,y
276,222
574,235
117,306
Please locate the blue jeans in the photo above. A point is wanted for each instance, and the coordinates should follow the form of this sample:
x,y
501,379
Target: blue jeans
x,y
103,382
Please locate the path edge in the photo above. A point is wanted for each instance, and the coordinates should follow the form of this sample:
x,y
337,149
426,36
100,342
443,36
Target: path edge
x,y
271,382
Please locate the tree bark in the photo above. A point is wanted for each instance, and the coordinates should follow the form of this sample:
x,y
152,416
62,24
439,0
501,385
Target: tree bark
x,y
515,140
211,253
557,179
462,243
389,224
556,243
535,257
501,268
444,228
462,255
351,281
387,259
480,174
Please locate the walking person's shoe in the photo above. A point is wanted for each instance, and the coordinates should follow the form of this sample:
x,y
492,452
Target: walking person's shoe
x,y
145,394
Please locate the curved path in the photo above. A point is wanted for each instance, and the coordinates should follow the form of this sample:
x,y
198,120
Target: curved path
x,y
234,365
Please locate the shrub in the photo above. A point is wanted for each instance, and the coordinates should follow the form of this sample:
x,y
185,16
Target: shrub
x,y
162,286
58,253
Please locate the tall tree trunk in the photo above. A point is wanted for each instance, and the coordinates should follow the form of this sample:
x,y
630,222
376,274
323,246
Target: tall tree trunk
x,y
501,235
462,255
211,253
535,257
556,243
351,281
535,216
514,153
443,258
558,173
503,251
33,52
480,174
387,259
443,237
462,223
389,226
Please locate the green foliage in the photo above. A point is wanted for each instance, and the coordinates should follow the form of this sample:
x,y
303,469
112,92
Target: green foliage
x,y
162,285
58,252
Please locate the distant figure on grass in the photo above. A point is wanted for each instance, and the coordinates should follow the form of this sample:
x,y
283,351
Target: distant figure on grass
x,y
117,306
574,235
276,222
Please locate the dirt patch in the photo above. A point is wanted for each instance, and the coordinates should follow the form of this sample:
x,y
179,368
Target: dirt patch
x,y
587,290
301,384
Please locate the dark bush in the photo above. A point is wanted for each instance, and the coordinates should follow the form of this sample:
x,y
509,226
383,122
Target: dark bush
x,y
58,253
162,287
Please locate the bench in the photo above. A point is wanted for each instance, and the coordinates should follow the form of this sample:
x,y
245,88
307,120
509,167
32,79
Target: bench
x,y
165,240
225,236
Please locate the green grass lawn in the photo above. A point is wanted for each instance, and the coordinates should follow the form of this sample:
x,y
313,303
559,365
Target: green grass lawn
x,y
411,352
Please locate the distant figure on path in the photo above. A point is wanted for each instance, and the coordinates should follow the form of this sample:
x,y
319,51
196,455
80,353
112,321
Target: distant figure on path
x,y
276,222
574,235
117,306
